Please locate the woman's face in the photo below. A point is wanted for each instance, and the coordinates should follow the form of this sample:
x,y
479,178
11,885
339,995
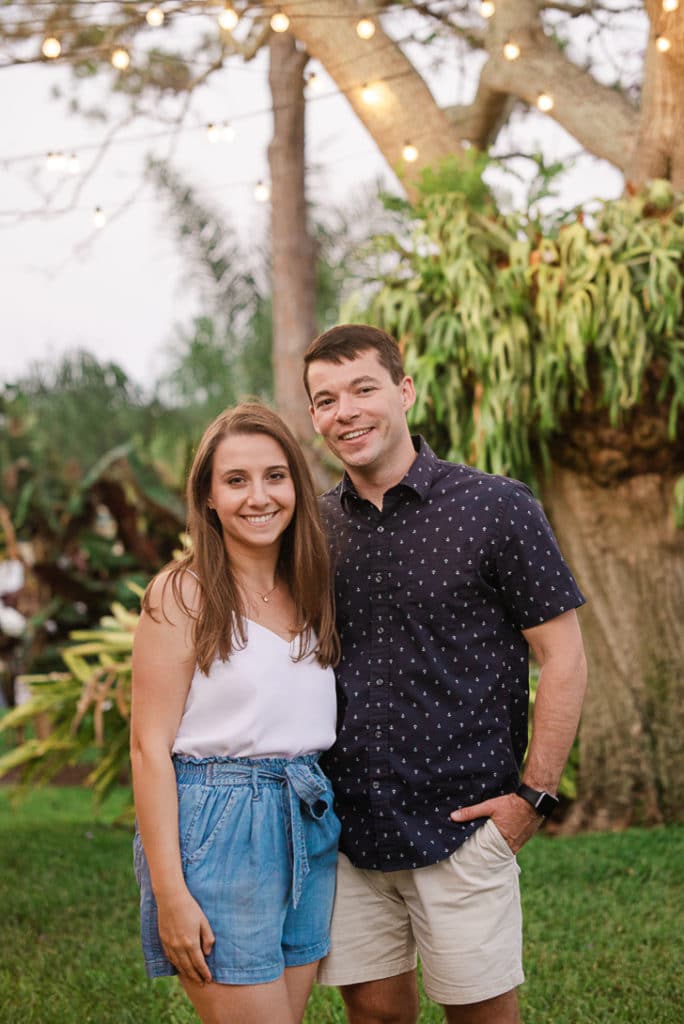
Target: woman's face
x,y
252,492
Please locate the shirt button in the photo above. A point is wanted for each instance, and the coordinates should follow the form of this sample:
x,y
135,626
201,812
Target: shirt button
x,y
378,578
378,734
376,785
381,529
379,682
381,629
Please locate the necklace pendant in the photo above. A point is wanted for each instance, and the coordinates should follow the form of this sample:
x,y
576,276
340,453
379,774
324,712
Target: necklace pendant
x,y
265,598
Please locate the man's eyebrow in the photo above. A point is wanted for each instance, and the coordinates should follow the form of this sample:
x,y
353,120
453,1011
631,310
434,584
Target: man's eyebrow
x,y
365,379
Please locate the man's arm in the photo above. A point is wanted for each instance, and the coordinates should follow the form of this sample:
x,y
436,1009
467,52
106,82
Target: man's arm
x,y
557,646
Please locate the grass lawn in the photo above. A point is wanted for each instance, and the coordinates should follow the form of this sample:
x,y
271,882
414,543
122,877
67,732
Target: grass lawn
x,y
604,925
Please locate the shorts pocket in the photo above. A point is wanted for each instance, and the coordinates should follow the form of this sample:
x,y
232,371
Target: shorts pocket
x,y
492,840
202,812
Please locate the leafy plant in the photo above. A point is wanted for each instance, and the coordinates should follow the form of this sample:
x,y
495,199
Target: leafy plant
x,y
88,707
509,333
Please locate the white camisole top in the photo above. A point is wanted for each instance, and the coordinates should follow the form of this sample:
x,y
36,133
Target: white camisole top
x,y
259,703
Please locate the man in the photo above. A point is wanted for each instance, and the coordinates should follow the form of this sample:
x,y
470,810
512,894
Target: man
x,y
445,576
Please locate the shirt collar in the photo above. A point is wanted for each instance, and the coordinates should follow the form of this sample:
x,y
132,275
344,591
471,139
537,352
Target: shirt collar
x,y
419,477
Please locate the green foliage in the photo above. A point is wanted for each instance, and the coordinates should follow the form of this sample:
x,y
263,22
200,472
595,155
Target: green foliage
x,y
88,707
507,333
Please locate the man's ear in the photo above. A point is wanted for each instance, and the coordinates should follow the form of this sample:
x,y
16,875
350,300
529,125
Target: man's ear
x,y
408,393
312,413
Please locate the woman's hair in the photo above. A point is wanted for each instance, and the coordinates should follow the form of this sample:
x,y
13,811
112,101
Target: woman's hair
x,y
303,560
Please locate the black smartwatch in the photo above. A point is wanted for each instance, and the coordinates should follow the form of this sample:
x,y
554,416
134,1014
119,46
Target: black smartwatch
x,y
544,803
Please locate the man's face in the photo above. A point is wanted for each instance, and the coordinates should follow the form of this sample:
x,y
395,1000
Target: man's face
x,y
360,411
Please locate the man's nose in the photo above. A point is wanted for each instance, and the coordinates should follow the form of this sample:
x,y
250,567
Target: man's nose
x,y
346,407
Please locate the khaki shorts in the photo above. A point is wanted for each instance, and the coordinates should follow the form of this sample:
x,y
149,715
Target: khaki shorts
x,y
462,916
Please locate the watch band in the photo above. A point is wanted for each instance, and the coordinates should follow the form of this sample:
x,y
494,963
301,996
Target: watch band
x,y
544,803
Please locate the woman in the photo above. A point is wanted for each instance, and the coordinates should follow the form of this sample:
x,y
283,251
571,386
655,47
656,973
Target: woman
x,y
233,699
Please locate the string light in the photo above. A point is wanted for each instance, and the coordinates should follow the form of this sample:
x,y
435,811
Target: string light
x,y
365,28
262,192
545,102
409,152
370,95
511,50
51,48
55,161
99,217
155,17
220,132
313,82
120,58
670,5
228,18
280,22
663,44
73,164
487,9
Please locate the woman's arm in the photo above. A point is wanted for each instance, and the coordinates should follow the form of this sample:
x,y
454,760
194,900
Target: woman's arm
x,y
163,665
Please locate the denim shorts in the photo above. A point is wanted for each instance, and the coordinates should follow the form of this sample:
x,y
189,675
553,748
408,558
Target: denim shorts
x,y
258,842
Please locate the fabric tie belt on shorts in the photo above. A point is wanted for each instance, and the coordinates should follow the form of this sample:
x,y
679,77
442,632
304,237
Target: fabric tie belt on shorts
x,y
305,783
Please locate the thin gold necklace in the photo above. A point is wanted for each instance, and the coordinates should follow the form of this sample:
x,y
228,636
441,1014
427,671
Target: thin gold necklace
x,y
267,596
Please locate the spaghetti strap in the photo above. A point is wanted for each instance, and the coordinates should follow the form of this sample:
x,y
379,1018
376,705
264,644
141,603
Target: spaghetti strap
x,y
193,573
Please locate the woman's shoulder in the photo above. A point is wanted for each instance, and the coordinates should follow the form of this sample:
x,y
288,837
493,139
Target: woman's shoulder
x,y
173,593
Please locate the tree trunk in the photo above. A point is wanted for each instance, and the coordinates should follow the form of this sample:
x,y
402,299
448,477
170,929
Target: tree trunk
x,y
659,150
629,560
293,252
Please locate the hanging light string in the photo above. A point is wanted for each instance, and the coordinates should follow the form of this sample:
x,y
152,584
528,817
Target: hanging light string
x,y
163,133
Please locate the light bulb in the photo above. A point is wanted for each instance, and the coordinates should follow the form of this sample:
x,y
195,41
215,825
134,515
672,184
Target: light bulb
x,y
365,28
228,18
663,43
213,132
511,50
73,164
51,48
369,95
99,217
487,9
409,152
280,22
313,81
545,102
155,17
262,192
120,58
55,161
227,132
670,5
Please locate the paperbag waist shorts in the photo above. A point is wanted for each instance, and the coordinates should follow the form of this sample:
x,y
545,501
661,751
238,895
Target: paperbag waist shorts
x,y
258,842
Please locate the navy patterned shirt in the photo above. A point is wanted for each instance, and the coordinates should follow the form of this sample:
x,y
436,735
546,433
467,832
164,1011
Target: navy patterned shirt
x,y
432,593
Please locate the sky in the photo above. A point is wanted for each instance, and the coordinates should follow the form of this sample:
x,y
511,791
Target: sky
x,y
121,291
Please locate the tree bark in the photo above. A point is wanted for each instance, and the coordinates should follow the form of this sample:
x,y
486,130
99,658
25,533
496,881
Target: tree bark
x,y
629,561
405,110
293,250
659,147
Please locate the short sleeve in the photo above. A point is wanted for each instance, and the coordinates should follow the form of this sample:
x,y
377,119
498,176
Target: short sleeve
x,y
534,579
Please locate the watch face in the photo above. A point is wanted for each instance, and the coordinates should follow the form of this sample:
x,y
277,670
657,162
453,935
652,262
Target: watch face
x,y
547,804
544,803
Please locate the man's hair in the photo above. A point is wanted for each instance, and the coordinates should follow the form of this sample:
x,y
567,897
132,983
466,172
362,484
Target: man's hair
x,y
346,341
